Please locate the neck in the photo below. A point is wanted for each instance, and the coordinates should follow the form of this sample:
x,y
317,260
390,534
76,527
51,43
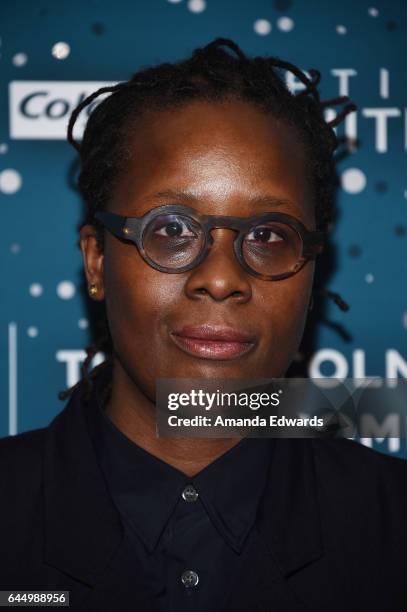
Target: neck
x,y
134,415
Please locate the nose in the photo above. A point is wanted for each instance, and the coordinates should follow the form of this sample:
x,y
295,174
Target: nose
x,y
220,276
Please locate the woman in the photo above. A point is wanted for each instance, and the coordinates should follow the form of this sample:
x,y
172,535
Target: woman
x,y
96,504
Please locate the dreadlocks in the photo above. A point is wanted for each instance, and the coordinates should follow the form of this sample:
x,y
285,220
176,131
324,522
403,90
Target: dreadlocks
x,y
217,71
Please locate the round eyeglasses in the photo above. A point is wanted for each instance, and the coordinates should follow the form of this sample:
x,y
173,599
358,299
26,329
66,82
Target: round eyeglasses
x,y
175,238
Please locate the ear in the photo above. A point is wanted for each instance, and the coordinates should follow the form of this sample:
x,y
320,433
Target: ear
x,y
92,260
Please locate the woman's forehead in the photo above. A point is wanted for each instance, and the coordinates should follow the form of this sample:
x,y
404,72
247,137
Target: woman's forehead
x,y
213,126
213,151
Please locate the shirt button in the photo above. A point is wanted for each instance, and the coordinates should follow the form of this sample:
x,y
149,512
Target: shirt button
x,y
190,494
189,579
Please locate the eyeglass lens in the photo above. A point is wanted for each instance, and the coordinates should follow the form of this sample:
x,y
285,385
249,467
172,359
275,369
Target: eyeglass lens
x,y
174,241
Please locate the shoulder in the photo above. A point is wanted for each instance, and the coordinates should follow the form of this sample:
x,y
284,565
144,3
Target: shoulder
x,y
349,469
348,454
21,455
22,443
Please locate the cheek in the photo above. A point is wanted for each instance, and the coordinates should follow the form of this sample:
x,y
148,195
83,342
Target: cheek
x,y
285,313
137,298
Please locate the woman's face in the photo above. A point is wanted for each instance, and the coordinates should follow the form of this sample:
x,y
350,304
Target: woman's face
x,y
223,158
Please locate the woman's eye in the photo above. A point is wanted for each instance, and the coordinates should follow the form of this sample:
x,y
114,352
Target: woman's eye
x,y
175,228
264,234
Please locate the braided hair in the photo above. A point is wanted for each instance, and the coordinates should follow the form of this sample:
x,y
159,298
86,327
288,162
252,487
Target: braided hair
x,y
216,71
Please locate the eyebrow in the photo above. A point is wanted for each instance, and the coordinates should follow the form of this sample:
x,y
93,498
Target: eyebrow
x,y
261,200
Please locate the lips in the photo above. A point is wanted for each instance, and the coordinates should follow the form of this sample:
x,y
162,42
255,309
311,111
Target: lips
x,y
213,341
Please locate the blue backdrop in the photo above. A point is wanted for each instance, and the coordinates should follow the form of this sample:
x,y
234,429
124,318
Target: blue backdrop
x,y
55,53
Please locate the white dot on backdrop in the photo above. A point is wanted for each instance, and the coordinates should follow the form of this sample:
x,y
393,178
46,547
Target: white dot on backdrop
x,y
61,50
262,27
83,323
32,331
3,148
174,1
373,11
353,180
285,24
404,319
20,59
10,181
36,289
196,6
405,193
15,248
65,290
341,29
369,278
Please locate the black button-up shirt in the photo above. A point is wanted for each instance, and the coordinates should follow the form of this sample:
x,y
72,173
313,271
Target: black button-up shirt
x,y
191,535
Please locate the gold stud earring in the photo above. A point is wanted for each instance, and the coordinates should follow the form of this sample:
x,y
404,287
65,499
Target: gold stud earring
x,y
93,289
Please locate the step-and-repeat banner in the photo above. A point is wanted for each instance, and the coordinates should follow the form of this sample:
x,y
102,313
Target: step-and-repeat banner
x,y
53,54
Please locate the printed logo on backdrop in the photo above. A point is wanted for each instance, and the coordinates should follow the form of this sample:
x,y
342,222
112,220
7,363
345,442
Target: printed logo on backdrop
x,y
41,109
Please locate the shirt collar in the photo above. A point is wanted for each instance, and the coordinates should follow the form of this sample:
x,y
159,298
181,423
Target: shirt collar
x,y
231,488
146,490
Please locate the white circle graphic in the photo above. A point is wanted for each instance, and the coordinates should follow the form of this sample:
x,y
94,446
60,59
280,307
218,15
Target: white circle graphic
x,y
285,24
36,289
32,331
65,290
61,50
353,180
262,27
20,59
10,180
197,6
